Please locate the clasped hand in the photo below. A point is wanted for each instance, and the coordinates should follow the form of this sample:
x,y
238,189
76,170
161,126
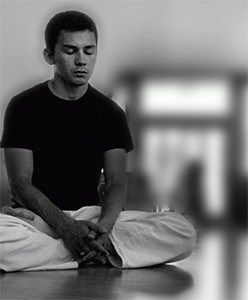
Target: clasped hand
x,y
80,239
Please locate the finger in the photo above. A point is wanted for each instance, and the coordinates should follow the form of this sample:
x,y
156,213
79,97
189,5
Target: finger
x,y
102,259
89,263
96,227
90,255
79,261
97,247
7,210
77,249
82,262
18,212
84,248
74,253
27,214
91,235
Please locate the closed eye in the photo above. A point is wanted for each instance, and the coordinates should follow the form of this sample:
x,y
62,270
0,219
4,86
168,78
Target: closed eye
x,y
89,52
69,49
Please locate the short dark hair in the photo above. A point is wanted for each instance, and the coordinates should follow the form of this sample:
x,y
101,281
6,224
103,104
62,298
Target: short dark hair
x,y
71,21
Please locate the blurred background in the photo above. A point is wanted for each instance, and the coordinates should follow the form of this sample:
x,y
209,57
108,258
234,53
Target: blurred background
x,y
179,70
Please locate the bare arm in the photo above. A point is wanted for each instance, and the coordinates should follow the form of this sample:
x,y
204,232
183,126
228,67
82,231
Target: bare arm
x,y
115,187
114,195
19,164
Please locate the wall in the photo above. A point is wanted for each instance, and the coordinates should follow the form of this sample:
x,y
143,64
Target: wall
x,y
206,34
203,33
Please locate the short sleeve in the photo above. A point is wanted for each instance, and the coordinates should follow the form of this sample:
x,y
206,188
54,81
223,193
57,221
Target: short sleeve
x,y
17,129
117,133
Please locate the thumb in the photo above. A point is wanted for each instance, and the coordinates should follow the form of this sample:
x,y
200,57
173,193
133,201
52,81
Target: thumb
x,y
97,227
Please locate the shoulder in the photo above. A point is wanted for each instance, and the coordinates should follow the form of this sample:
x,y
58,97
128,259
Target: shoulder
x,y
28,96
105,104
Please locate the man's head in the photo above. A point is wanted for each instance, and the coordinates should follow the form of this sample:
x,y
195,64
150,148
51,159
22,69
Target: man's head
x,y
71,46
70,21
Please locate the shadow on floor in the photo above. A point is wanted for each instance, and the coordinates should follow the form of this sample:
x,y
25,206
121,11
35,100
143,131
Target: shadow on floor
x,y
94,282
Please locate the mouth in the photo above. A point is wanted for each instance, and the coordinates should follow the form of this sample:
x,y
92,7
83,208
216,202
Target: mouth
x,y
80,73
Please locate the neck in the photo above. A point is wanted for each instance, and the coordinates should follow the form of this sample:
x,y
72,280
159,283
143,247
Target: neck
x,y
67,92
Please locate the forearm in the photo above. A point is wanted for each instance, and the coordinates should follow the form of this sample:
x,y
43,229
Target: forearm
x,y
112,205
33,199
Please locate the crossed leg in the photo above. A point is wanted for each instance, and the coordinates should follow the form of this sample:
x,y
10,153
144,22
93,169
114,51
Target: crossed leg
x,y
37,222
139,239
31,218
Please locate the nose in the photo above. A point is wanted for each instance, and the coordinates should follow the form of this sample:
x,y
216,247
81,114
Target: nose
x,y
80,59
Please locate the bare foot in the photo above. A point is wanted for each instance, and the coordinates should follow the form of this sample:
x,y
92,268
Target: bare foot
x,y
31,218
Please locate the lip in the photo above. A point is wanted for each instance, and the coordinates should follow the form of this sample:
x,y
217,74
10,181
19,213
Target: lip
x,y
80,72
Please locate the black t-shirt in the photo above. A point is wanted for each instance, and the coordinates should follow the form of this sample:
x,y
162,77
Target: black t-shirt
x,y
68,140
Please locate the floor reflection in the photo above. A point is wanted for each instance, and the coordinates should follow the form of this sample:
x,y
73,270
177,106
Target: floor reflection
x,y
163,280
94,282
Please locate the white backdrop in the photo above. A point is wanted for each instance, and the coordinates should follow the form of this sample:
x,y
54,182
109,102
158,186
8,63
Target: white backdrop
x,y
205,33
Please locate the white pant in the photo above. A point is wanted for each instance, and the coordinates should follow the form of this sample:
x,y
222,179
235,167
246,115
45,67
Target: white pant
x,y
140,238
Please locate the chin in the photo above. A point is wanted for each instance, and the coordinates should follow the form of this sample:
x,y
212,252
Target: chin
x,y
79,82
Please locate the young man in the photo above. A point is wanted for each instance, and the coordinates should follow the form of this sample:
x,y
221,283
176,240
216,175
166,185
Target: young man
x,y
58,136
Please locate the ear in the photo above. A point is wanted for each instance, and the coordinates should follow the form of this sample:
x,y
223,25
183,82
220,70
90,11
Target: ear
x,y
48,56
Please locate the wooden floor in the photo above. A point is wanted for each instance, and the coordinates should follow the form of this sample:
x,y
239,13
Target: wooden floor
x,y
196,278
96,283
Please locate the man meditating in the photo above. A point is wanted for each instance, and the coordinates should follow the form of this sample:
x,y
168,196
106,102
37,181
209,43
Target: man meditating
x,y
58,136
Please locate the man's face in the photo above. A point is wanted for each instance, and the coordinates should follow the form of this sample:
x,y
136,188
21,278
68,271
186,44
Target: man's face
x,y
75,57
